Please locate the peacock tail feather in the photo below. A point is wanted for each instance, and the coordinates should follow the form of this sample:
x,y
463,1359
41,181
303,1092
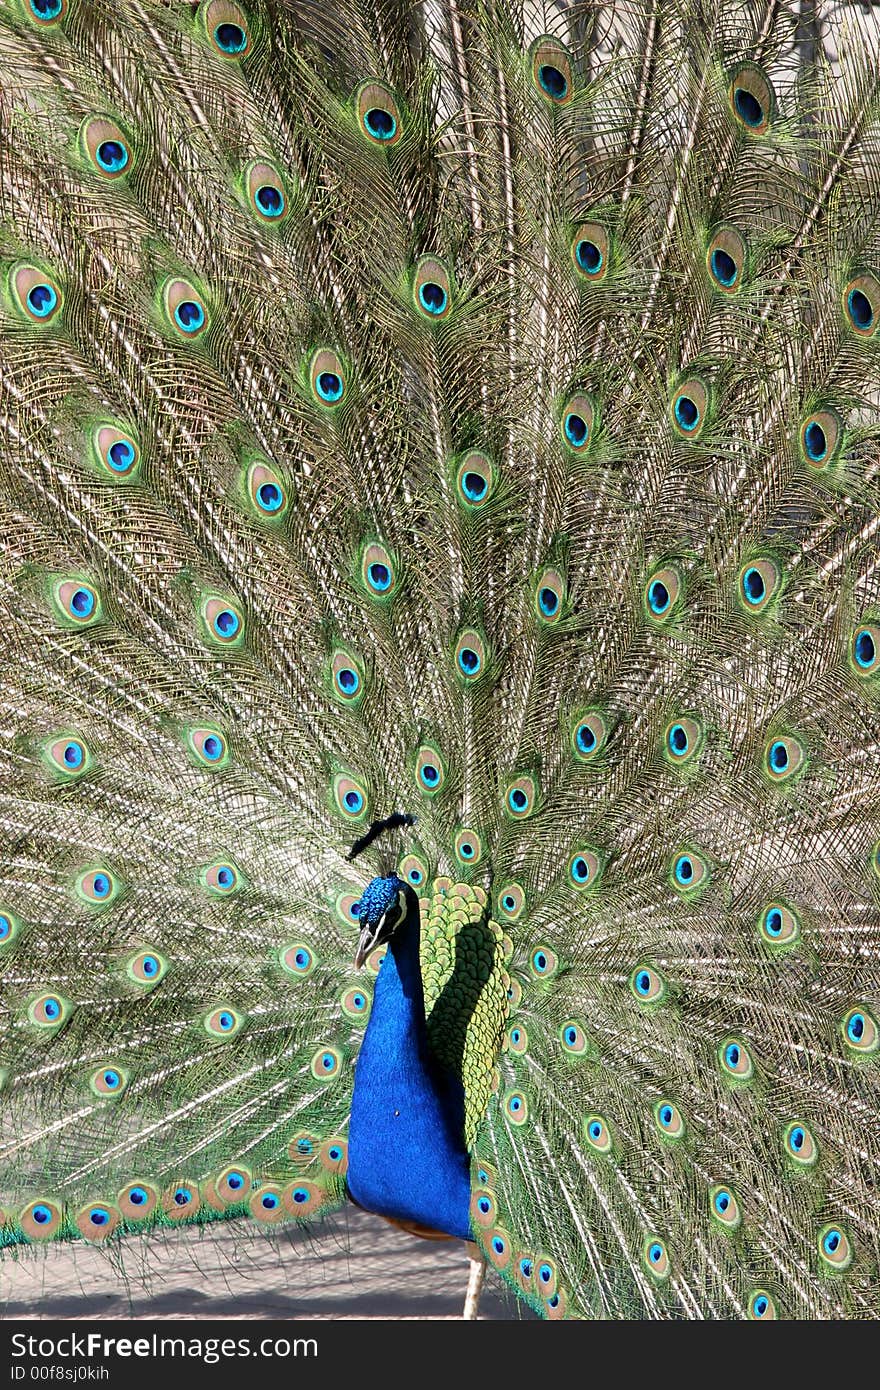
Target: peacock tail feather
x,y
465,408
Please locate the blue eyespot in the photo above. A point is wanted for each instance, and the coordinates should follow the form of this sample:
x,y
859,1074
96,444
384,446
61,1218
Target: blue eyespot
x,y
687,413
722,1202
643,982
815,441
684,870
831,1241
300,1195
432,297
353,801
234,1181
753,585
724,267
475,486
466,850
773,922
469,661
138,1197
379,576
99,1216
212,748
655,1252
855,1028
576,430
73,755
46,10
678,740
658,596
270,200
189,315
112,156
230,38
549,601
380,124
732,1055
429,775
42,300
517,799
52,1009
42,1215
585,738
748,107
349,680
760,1306
82,602
182,1197
554,82
111,1080
498,1245
595,1130
270,497
121,455
864,649
269,1201
580,870
329,386
226,623
150,966
589,257
5,927
778,756
860,309
666,1114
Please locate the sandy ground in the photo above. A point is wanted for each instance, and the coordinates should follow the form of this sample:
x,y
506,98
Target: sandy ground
x,y
352,1266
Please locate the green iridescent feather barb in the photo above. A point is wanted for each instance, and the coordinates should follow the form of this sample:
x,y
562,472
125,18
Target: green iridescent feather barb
x,y
452,428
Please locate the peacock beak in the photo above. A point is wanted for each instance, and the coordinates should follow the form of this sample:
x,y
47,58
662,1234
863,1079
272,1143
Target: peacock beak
x,y
369,937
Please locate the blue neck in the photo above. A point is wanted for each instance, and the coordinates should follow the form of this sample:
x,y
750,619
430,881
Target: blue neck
x,y
406,1153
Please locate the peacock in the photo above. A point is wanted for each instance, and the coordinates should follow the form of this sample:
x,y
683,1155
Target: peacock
x,y
440,672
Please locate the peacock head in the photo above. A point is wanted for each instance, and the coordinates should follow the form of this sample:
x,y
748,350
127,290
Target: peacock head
x,y
383,907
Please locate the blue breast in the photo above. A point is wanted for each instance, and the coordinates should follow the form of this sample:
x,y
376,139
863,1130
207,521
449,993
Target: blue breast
x,y
406,1154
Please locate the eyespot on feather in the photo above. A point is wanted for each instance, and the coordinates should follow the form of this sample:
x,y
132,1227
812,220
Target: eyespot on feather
x,y
551,70
498,1247
588,735
117,452
97,887
589,252
511,901
378,114
350,797
181,1200
779,926
655,1259
45,12
430,770
726,260
484,1209
227,28
475,479
41,1220
784,756
682,740
138,1201
761,1307
223,1022
109,1081
515,1107
597,1134
859,1031
302,1199
688,872
431,289
468,847
470,656
800,1145
669,1120
266,192
550,596
647,986
577,423
819,439
355,1004
221,879
724,1206
185,308
326,1064
266,1204
10,926
147,968
209,747
573,1038
68,755
864,650
106,147
583,868
327,378
36,294
689,406
49,1011
266,491
222,621
298,959
517,1039
861,304
97,1221
233,1185
414,871
735,1060
662,593
543,963
77,602
333,1156
521,797
758,583
378,571
835,1249
347,676
751,97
